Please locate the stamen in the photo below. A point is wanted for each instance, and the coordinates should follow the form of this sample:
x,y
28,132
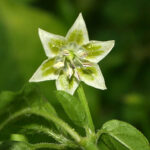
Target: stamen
x,y
87,64
69,71
59,65
77,75
65,52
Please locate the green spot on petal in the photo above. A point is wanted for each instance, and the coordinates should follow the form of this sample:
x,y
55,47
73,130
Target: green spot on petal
x,y
76,36
66,83
93,54
48,64
56,44
93,49
49,71
71,82
92,46
87,72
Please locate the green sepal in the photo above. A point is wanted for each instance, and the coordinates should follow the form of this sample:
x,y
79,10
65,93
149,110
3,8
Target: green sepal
x,y
72,107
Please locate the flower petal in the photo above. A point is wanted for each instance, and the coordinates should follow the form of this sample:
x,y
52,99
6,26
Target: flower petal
x,y
51,43
92,76
45,72
78,32
95,51
65,84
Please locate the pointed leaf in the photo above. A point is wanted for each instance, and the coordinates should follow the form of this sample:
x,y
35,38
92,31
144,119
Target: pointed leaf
x,y
72,107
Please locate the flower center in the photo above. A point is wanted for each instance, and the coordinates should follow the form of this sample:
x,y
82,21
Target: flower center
x,y
69,51
68,59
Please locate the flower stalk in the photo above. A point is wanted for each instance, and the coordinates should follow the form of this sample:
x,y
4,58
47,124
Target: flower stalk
x,y
90,129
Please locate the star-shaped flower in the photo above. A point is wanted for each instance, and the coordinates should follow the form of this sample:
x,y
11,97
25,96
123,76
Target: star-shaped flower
x,y
72,59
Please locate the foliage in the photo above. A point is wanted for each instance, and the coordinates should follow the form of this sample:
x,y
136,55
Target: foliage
x,y
27,113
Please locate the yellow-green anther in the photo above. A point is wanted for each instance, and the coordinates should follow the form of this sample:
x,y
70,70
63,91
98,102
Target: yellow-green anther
x,y
69,71
58,65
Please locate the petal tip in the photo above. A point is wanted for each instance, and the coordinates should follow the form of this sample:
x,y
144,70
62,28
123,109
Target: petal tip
x,y
112,42
31,80
80,15
70,92
80,18
40,31
102,87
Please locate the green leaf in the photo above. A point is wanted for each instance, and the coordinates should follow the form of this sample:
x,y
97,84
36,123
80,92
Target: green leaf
x,y
18,137
72,107
102,146
27,98
118,135
14,145
29,103
5,98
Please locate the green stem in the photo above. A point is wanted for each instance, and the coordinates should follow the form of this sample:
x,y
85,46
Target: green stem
x,y
61,123
58,137
47,145
84,102
55,119
14,116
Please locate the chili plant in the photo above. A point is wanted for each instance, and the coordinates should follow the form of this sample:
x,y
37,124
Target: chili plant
x,y
71,60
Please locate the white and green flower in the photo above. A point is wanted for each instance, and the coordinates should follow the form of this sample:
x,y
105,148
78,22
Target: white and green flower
x,y
72,59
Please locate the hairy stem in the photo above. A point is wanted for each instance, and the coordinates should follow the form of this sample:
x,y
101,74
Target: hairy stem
x,y
58,137
61,123
55,119
47,145
14,116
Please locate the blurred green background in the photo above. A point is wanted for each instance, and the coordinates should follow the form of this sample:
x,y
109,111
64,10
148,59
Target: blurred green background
x,y
126,69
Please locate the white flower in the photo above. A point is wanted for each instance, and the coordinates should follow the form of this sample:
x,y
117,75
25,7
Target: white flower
x,y
72,59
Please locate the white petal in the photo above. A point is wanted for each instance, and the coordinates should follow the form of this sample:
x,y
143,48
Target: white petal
x,y
63,83
92,76
51,42
78,32
95,51
45,72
